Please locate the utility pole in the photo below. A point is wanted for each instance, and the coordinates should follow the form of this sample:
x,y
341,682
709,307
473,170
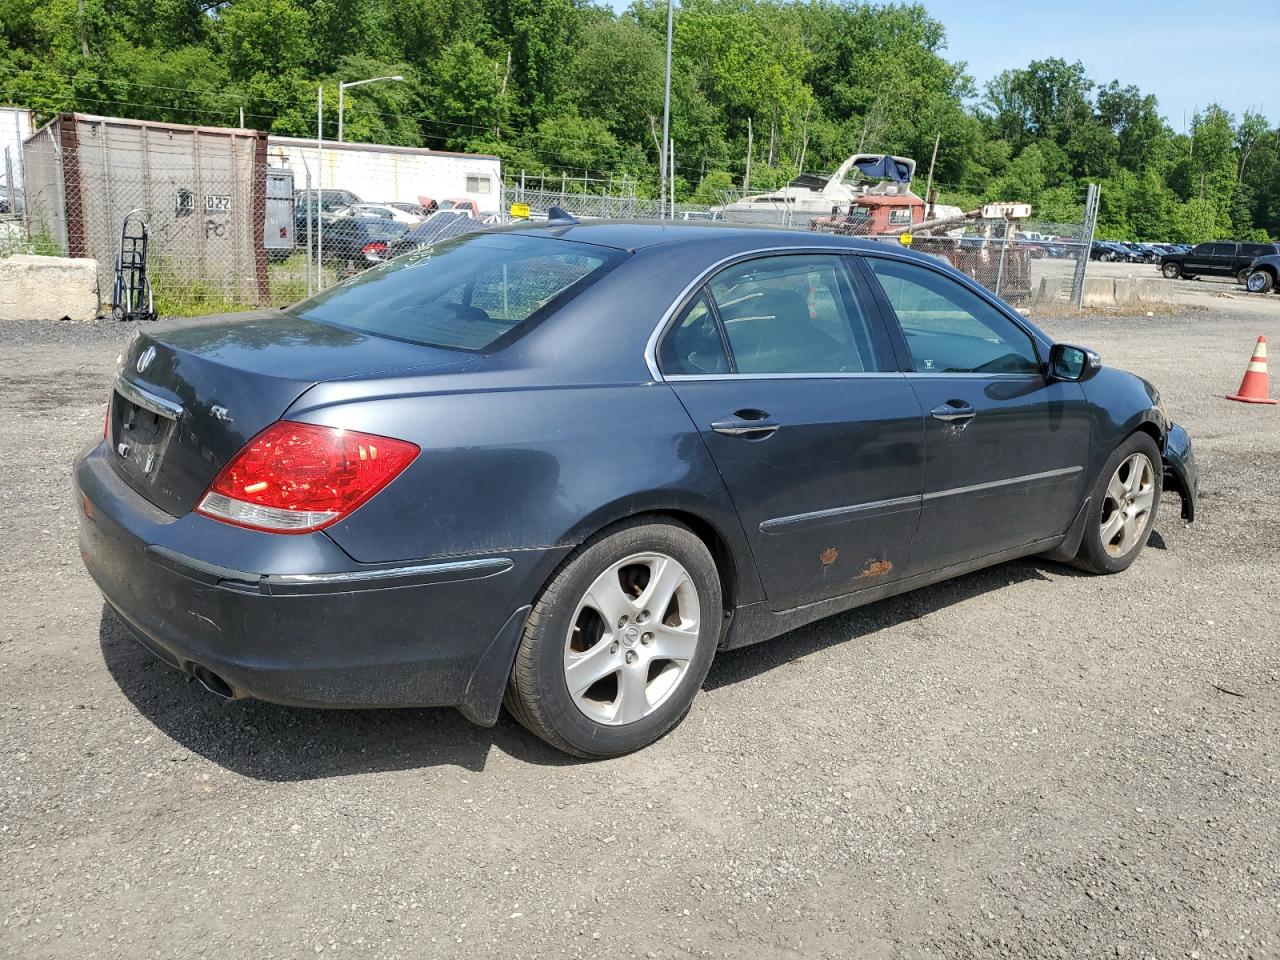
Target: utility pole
x,y
671,155
342,87
928,188
314,211
746,181
666,107
804,142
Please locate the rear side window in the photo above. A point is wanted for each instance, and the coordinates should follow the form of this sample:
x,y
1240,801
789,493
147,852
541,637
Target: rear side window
x,y
462,294
948,328
694,346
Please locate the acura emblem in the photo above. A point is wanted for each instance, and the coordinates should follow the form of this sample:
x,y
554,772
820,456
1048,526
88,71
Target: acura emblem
x,y
144,360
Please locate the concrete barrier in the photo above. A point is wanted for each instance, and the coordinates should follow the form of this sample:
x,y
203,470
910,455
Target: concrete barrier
x,y
1128,291
48,288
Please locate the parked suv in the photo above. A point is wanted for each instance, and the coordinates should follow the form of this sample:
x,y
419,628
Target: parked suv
x,y
1219,259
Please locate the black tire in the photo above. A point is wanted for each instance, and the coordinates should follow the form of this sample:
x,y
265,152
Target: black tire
x,y
1242,276
1095,555
1171,271
538,694
1260,281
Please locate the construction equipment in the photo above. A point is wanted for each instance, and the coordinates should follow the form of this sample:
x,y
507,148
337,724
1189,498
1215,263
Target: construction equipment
x,y
987,256
131,297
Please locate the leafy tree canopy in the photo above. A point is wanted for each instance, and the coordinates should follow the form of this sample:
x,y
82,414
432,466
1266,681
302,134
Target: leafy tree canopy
x,y
568,89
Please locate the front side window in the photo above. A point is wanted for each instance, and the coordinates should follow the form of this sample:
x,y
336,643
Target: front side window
x,y
949,328
461,294
794,314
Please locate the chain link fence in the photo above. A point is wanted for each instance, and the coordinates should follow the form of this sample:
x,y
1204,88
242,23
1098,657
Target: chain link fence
x,y
235,223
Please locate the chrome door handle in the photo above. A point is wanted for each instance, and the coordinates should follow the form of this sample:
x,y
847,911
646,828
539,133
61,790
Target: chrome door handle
x,y
753,424
953,410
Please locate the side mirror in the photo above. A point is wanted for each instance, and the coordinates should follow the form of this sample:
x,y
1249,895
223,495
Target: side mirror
x,y
1072,364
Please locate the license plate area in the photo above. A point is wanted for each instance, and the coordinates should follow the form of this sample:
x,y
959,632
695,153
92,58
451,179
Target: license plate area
x,y
140,437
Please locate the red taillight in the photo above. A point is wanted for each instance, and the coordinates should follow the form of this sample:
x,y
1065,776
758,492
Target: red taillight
x,y
369,249
299,477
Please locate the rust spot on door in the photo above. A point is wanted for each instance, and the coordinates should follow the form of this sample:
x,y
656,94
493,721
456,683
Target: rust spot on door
x,y
875,568
829,556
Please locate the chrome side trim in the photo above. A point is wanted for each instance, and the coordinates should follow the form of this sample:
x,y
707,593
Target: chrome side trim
x,y
476,568
993,484
148,400
738,377
779,524
939,375
651,346
801,520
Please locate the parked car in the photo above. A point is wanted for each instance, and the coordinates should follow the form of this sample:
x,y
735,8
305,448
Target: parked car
x,y
1108,251
1264,274
465,204
305,212
1219,259
413,208
384,210
562,466
439,226
358,242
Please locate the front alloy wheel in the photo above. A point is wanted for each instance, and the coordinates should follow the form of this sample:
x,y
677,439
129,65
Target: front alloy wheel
x,y
1126,509
1122,506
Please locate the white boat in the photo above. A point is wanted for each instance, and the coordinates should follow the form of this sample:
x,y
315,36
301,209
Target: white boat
x,y
810,195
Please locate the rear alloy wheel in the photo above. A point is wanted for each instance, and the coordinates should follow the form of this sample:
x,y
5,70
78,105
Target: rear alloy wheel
x,y
1171,271
1260,281
1242,276
619,643
1123,507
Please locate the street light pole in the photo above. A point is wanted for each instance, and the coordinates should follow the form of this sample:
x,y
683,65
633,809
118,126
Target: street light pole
x,y
666,118
355,83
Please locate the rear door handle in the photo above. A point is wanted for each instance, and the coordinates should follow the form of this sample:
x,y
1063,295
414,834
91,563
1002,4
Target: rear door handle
x,y
953,410
752,424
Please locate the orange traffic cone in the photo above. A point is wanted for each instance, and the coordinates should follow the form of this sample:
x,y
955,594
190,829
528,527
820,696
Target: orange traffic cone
x,y
1253,388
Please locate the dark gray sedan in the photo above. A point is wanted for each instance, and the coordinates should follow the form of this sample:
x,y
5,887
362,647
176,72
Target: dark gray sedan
x,y
566,464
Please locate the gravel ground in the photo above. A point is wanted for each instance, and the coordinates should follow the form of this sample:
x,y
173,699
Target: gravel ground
x,y
1023,762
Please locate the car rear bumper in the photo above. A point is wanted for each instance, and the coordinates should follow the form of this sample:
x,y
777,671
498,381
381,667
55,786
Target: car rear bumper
x,y
1180,472
340,634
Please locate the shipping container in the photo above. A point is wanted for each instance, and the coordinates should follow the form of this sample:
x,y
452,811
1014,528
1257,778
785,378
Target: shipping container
x,y
378,173
202,190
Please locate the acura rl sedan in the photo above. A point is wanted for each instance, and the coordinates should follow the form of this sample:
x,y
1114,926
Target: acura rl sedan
x,y
561,466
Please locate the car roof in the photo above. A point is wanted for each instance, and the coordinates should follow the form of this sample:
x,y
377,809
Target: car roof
x,y
633,235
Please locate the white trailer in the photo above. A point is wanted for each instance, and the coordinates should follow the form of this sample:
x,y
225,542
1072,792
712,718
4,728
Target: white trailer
x,y
381,173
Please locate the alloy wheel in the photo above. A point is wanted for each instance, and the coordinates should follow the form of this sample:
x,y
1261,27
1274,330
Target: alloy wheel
x,y
1126,507
631,638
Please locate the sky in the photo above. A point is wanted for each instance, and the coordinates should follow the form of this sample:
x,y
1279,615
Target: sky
x,y
1188,54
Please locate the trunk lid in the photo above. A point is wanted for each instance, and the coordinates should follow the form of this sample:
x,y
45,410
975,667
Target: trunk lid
x,y
188,397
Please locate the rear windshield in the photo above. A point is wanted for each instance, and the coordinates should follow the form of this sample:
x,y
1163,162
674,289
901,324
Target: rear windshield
x,y
466,293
